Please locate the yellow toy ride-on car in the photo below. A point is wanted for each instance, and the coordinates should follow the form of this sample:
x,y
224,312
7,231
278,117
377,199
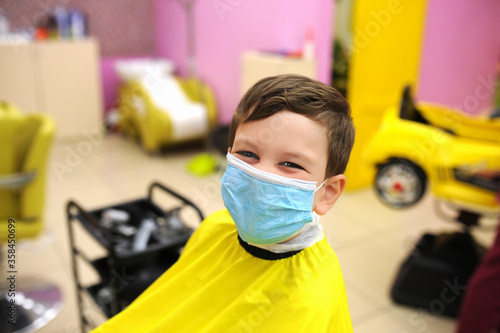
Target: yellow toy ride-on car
x,y
435,144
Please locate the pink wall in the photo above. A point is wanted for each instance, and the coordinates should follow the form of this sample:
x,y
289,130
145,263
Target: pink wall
x,y
110,83
226,28
461,51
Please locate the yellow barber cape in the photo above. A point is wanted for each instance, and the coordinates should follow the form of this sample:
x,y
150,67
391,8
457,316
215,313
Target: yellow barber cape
x,y
218,286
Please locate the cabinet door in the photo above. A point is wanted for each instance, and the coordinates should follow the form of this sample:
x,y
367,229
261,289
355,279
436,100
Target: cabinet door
x,y
256,66
17,76
70,85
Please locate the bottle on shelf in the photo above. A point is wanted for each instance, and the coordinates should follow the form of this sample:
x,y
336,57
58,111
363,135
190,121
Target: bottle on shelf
x,y
308,49
78,24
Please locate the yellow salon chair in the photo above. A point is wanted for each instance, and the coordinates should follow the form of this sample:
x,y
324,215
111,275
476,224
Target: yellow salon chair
x,y
25,141
166,112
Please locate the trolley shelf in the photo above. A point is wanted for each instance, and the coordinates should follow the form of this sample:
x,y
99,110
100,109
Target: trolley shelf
x,y
137,209
125,273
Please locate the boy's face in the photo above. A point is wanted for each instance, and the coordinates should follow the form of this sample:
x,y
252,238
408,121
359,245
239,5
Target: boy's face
x,y
286,144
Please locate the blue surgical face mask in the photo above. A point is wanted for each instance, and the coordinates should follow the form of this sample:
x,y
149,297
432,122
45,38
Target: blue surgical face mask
x,y
265,207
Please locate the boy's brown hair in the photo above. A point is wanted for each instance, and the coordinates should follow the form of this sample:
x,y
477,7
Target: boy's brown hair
x,y
315,100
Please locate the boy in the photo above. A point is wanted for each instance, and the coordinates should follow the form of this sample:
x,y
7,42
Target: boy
x,y
263,265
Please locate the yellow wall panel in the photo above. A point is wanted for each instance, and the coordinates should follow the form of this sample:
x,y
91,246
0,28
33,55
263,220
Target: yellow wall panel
x,y
387,40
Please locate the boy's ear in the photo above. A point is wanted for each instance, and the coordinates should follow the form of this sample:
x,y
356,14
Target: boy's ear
x,y
333,188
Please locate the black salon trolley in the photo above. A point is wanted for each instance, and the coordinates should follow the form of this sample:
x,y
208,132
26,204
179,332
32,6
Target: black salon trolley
x,y
125,273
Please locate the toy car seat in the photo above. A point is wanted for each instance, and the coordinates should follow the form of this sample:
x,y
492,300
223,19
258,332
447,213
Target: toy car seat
x,y
408,109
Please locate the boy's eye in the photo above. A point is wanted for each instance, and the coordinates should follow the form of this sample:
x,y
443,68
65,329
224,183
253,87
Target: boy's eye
x,y
248,154
292,165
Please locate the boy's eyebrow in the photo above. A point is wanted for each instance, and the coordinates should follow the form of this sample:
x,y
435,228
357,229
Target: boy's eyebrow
x,y
245,141
299,155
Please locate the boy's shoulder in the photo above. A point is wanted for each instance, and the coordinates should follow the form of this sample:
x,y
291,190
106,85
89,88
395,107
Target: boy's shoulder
x,y
322,266
219,216
217,224
218,220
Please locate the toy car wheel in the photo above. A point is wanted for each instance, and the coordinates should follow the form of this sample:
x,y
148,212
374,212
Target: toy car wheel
x,y
400,183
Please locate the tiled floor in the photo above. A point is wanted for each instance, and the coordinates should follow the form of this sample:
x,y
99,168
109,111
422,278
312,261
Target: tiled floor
x,y
370,239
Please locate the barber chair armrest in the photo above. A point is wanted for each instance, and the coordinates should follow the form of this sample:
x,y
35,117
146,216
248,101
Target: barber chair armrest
x,y
17,180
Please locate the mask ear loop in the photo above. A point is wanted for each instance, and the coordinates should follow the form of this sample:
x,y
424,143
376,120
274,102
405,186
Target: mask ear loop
x,y
323,183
